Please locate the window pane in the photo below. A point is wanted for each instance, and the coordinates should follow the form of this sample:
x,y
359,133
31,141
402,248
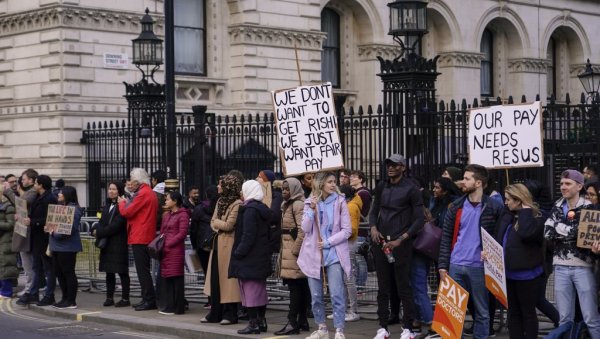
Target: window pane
x,y
329,66
330,57
487,66
330,24
551,74
189,13
189,50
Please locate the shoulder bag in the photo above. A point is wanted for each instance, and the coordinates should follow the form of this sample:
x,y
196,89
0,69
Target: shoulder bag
x,y
428,240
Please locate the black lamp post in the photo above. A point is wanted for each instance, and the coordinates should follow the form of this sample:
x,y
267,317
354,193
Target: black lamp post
x,y
590,80
408,23
147,48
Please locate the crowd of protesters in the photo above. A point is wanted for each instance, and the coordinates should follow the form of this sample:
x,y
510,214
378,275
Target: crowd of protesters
x,y
312,223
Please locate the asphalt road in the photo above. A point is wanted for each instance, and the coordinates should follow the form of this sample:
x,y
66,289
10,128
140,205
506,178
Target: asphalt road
x,y
18,322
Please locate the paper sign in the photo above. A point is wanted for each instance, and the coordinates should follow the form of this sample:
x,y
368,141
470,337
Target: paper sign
x,y
60,219
450,309
21,210
307,133
588,230
495,277
192,261
506,136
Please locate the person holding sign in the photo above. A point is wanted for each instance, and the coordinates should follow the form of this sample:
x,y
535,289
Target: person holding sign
x,y
573,266
64,251
460,248
326,226
521,235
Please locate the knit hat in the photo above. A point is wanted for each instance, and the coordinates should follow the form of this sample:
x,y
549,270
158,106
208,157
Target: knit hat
x,y
455,173
252,190
267,175
573,175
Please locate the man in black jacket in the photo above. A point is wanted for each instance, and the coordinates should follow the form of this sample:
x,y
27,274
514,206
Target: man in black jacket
x,y
39,240
460,247
396,217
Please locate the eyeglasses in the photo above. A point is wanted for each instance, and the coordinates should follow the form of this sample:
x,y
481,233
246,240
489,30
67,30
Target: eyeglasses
x,y
344,176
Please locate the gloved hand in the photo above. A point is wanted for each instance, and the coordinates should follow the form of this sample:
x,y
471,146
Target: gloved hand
x,y
563,229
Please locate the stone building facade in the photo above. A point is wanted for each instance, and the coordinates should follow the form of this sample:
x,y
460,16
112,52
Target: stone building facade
x,y
56,75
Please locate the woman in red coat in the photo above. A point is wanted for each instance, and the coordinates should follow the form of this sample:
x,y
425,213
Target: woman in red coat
x,y
174,226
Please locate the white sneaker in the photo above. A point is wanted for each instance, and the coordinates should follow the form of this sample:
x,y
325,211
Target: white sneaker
x,y
318,334
339,335
407,334
352,317
382,333
330,316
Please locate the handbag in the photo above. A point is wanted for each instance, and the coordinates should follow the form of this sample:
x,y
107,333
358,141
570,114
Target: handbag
x,y
207,243
366,251
156,247
428,240
101,243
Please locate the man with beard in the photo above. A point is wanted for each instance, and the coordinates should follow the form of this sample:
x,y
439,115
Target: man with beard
x,y
396,217
460,248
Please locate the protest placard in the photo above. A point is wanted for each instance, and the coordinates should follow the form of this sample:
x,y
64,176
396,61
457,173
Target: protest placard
x,y
588,230
21,211
60,219
507,136
307,133
495,276
450,309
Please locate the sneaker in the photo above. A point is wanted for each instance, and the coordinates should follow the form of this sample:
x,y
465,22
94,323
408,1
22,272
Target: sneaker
x,y
122,303
46,301
166,312
339,335
330,316
27,298
382,333
350,317
407,334
206,306
64,305
319,334
468,332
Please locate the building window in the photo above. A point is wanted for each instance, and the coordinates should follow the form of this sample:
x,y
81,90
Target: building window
x,y
330,58
190,37
487,65
551,76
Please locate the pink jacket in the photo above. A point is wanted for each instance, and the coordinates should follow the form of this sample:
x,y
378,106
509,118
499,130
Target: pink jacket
x,y
309,259
175,228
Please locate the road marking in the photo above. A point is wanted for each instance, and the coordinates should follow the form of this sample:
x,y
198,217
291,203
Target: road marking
x,y
277,337
7,309
80,315
139,335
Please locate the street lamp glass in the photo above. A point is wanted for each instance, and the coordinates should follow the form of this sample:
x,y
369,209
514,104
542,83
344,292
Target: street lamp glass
x,y
147,47
408,18
590,79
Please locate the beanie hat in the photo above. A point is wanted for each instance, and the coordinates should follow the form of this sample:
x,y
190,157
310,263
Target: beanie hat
x,y
455,173
267,175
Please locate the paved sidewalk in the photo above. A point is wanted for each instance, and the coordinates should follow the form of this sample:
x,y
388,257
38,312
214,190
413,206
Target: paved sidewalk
x,y
188,325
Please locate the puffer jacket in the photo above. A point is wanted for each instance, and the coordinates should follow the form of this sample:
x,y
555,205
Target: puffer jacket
x,y
8,259
354,207
175,228
290,248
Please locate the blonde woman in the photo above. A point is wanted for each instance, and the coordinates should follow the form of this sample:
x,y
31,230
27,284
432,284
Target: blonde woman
x,y
326,226
521,235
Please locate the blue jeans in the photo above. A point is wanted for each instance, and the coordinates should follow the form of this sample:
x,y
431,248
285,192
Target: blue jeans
x,y
335,284
419,270
42,264
569,280
472,279
361,266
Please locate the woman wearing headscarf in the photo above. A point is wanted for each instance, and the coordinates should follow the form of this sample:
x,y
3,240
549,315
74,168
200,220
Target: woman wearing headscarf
x,y
224,292
251,256
326,225
291,241
114,256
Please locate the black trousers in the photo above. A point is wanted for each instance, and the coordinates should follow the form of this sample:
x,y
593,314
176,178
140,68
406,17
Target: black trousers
x,y
142,267
219,311
400,272
111,283
64,268
204,256
299,300
173,294
522,317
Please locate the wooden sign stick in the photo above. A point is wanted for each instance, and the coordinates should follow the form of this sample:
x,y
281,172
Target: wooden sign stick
x,y
298,64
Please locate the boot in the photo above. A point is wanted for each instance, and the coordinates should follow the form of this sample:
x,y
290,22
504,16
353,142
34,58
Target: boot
x,y
252,328
262,324
288,329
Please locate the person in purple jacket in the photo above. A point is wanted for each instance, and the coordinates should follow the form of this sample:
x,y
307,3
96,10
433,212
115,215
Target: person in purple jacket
x,y
174,226
326,226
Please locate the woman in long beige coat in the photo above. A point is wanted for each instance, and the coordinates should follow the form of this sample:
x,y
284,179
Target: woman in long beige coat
x,y
224,292
292,236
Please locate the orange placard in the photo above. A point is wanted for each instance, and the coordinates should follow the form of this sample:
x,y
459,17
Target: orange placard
x,y
495,276
450,309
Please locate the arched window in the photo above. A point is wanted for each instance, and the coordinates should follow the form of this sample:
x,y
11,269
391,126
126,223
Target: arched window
x,y
487,65
330,57
551,76
190,37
